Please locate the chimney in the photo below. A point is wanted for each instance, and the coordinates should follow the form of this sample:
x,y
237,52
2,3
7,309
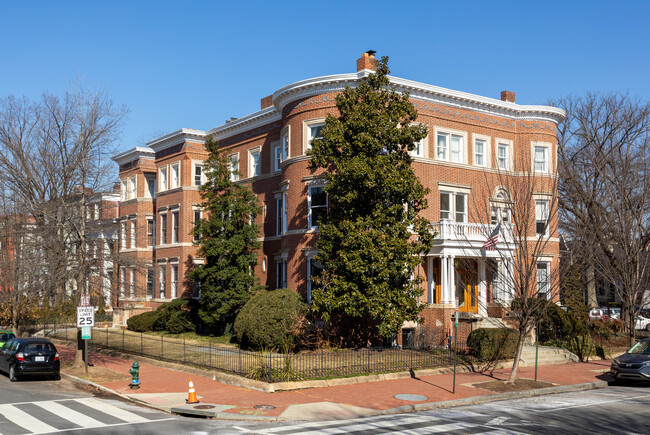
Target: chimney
x,y
508,96
367,61
266,102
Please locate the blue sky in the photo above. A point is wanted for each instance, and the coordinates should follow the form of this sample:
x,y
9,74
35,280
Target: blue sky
x,y
194,64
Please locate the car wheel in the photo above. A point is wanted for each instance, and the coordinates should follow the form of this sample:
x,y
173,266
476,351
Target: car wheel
x,y
12,374
647,327
56,377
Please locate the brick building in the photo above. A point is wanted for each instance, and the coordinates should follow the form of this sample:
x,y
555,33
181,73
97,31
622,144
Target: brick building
x,y
472,142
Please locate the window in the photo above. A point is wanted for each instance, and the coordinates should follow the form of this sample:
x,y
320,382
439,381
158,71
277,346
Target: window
x,y
176,176
132,194
197,218
163,229
149,283
543,280
314,269
418,149
172,292
279,207
124,190
281,274
96,208
122,280
198,175
162,185
480,146
285,145
151,186
162,281
315,132
500,213
150,232
123,236
132,284
450,147
459,203
541,159
277,157
132,233
254,163
541,217
196,290
175,227
234,167
317,205
503,156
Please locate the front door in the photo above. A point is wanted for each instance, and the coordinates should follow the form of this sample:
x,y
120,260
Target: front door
x,y
466,288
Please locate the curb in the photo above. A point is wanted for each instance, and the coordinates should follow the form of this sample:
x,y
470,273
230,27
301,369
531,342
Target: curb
x,y
477,400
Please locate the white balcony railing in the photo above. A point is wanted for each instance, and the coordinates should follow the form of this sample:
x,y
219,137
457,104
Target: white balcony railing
x,y
449,230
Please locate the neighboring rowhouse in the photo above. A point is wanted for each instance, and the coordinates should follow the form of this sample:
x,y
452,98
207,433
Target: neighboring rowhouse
x,y
471,140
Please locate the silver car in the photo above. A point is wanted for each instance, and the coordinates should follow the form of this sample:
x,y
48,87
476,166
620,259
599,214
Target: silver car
x,y
633,364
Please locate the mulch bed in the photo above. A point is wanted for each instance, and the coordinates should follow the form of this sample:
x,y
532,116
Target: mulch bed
x,y
519,385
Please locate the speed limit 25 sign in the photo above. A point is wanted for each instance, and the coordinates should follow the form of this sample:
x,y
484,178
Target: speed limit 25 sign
x,y
85,316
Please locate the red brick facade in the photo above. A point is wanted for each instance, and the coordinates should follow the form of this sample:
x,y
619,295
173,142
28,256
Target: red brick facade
x,y
472,142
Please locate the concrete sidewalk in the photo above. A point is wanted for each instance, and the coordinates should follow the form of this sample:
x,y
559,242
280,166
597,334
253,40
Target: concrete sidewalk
x,y
167,389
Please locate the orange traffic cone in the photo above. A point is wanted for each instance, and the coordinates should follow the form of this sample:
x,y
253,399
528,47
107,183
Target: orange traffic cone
x,y
192,394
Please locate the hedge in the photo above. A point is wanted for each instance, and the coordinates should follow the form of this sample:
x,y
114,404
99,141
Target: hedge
x,y
490,344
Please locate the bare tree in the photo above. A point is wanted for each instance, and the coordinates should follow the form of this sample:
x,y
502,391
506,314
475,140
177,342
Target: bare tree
x,y
604,156
51,151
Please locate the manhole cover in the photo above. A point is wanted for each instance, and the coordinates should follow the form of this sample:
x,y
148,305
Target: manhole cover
x,y
411,397
204,407
264,407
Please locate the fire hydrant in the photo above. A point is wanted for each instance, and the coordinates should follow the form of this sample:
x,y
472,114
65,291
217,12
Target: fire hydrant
x,y
135,373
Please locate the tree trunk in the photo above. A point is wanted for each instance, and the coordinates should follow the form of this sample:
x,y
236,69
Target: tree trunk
x,y
515,363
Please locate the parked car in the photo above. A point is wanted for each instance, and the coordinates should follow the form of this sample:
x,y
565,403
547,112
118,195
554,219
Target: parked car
x,y
633,364
598,314
5,336
642,323
29,356
614,313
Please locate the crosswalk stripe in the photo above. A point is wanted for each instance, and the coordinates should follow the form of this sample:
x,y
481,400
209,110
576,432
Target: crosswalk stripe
x,y
120,413
437,429
341,427
24,420
70,414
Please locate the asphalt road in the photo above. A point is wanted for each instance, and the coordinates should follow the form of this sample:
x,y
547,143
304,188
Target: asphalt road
x,y
44,406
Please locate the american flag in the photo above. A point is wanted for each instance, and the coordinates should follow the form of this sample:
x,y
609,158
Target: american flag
x,y
492,241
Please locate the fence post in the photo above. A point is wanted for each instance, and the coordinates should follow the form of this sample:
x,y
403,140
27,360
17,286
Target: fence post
x,y
183,350
122,340
141,347
162,346
270,368
210,363
239,361
322,362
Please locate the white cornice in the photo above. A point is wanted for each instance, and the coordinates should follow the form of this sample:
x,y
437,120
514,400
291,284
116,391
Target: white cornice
x,y
133,154
176,137
248,122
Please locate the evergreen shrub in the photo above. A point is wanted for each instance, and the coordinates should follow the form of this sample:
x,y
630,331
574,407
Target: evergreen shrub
x,y
176,317
490,344
270,320
142,322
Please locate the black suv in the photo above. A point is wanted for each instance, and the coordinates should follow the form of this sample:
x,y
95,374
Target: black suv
x,y
29,356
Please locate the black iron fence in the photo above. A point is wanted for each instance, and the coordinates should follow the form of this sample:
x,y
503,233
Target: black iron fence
x,y
264,366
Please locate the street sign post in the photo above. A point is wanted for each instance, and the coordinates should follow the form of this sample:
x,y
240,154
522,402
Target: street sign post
x,y
85,332
85,316
85,321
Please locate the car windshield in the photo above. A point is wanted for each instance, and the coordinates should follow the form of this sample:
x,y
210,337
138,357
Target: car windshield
x,y
642,347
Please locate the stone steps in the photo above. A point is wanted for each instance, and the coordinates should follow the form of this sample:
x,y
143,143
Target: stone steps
x,y
547,355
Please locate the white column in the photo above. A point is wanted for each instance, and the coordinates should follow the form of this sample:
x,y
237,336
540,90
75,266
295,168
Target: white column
x,y
482,289
451,295
508,281
444,281
431,284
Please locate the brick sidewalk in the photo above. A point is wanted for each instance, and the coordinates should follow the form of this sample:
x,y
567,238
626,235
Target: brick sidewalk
x,y
164,388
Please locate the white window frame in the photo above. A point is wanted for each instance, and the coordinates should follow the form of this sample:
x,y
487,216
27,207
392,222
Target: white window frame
x,y
546,265
546,162
96,211
310,223
162,178
151,283
163,228
132,233
254,162
276,157
150,181
175,175
486,150
151,236
280,214
449,135
453,212
285,142
201,176
122,281
123,235
307,131
194,216
132,188
174,281
541,214
132,283
504,164
234,167
281,273
124,189
175,226
162,280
